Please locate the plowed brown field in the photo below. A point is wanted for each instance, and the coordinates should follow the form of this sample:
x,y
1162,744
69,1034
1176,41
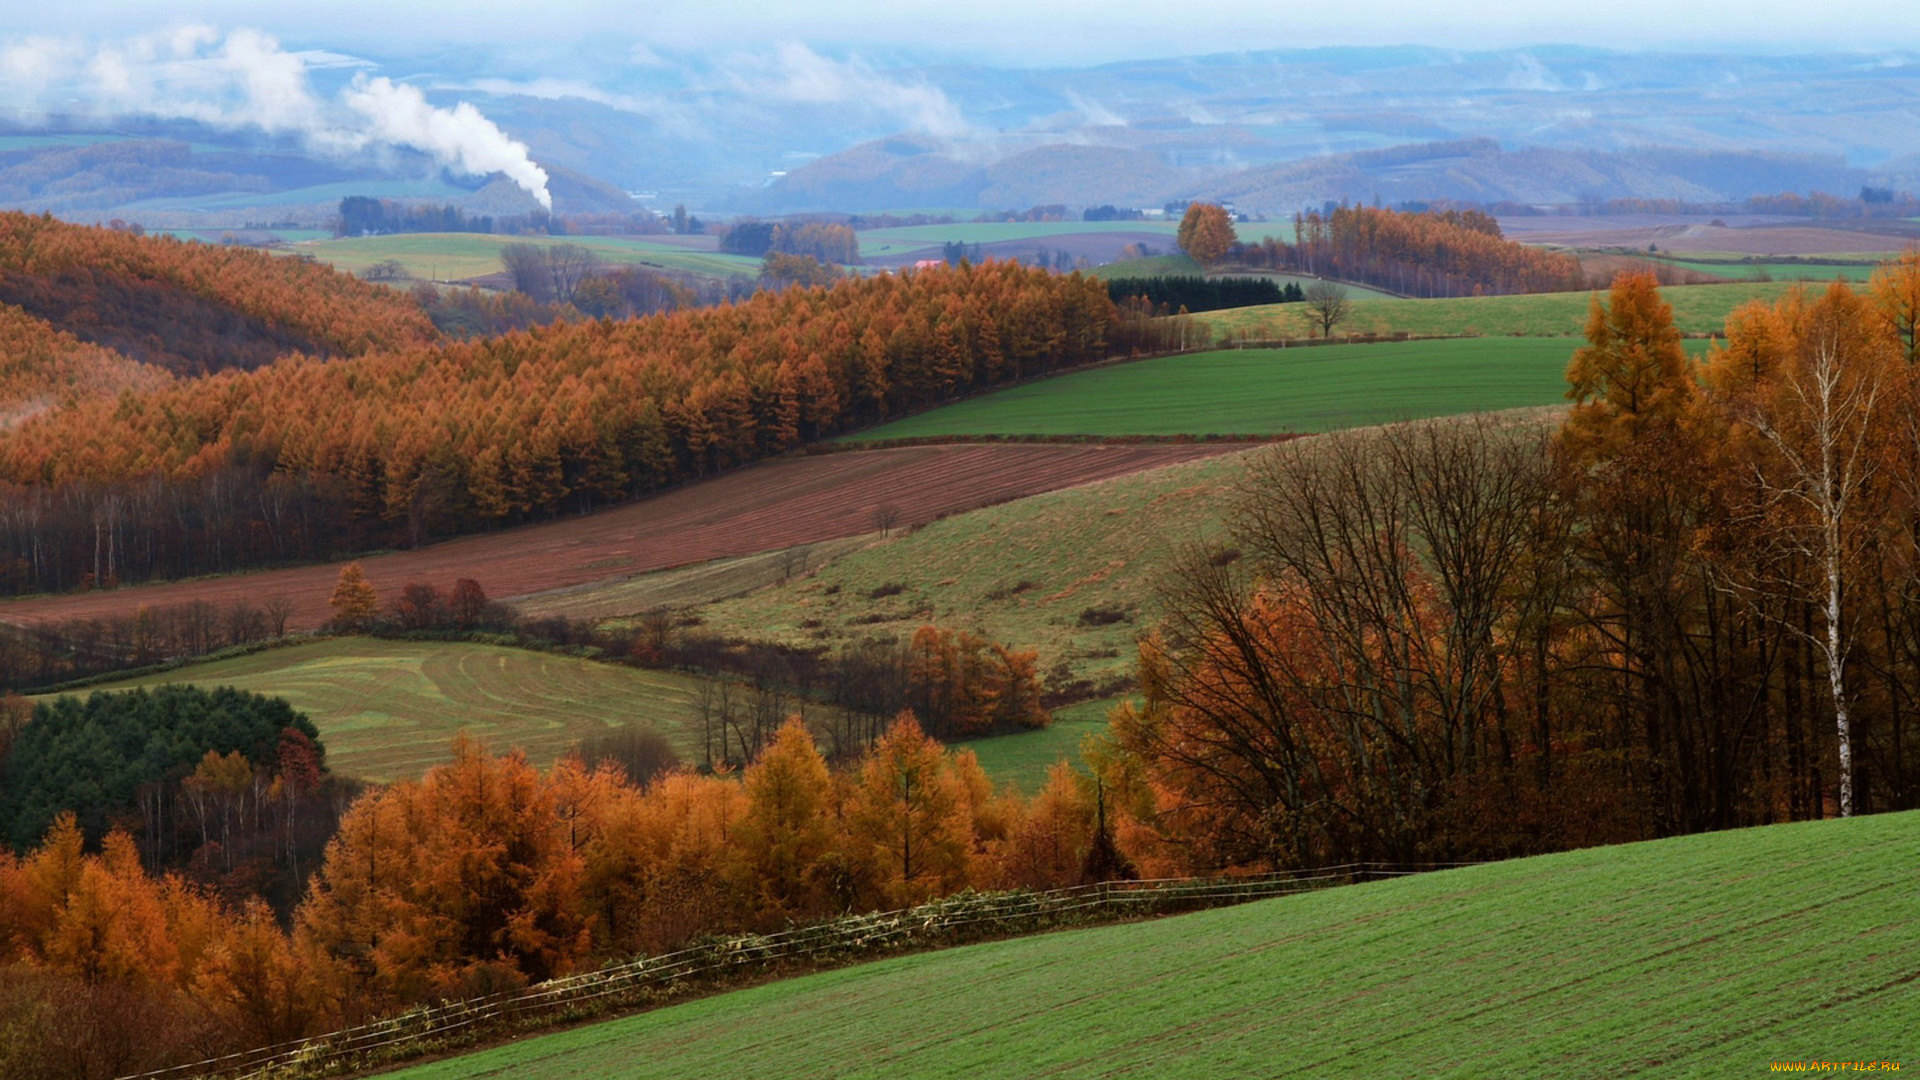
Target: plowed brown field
x,y
776,504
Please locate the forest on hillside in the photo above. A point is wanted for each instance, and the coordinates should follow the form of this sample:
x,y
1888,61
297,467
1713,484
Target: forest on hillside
x,y
307,457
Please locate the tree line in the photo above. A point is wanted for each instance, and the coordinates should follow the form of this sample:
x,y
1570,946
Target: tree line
x,y
1690,606
1196,294
303,458
487,874
821,242
1444,253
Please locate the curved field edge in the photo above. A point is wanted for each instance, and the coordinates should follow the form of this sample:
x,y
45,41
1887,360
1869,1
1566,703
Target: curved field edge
x,y
772,505
1070,573
1260,392
390,709
1709,955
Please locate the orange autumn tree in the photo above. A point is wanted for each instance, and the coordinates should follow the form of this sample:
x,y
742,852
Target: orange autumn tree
x,y
354,602
782,841
452,882
907,818
1206,233
961,684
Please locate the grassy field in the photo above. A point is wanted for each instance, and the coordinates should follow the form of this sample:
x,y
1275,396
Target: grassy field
x,y
1265,391
1698,309
1004,572
388,709
701,583
1022,761
1153,266
457,256
994,232
319,193
1702,956
1815,272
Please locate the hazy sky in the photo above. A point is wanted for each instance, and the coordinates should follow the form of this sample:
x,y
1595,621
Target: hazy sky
x,y
1000,31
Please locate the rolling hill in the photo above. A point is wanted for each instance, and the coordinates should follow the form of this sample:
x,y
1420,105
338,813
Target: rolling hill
x,y
1711,955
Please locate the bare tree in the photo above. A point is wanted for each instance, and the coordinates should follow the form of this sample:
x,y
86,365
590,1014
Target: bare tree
x,y
793,562
1328,305
885,517
278,610
526,264
567,266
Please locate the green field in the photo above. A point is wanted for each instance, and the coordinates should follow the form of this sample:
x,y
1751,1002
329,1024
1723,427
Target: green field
x,y
908,237
1265,391
1697,309
1702,956
1152,266
1021,761
457,256
1816,272
387,709
1004,571
319,193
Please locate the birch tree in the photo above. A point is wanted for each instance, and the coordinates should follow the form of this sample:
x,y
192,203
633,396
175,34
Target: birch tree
x,y
1819,419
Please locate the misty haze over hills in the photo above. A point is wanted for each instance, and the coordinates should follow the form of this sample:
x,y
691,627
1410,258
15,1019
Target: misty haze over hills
x,y
794,130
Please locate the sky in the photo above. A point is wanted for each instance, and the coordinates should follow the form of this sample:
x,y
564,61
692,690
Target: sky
x,y
539,33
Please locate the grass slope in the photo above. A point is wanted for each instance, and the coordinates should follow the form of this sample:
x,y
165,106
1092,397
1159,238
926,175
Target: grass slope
x,y
1265,391
1006,572
388,709
1697,309
1703,956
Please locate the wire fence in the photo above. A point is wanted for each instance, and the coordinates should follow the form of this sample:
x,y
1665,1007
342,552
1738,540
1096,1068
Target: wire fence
x,y
652,978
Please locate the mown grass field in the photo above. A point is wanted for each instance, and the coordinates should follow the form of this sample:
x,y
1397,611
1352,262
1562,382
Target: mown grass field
x,y
1027,573
1702,956
457,256
390,709
1697,309
1265,391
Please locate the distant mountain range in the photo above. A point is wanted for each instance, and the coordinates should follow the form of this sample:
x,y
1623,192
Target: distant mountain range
x,y
1271,131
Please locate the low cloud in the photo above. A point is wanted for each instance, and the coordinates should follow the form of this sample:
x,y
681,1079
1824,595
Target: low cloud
x,y
245,80
800,76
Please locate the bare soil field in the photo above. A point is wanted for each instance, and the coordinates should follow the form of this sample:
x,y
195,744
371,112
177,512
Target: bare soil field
x,y
776,504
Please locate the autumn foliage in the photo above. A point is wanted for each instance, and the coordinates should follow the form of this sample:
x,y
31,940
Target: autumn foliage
x,y
1426,253
1690,607
487,874
190,306
307,456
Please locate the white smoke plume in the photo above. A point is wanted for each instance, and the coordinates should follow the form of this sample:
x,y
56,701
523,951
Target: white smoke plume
x,y
246,80
458,138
